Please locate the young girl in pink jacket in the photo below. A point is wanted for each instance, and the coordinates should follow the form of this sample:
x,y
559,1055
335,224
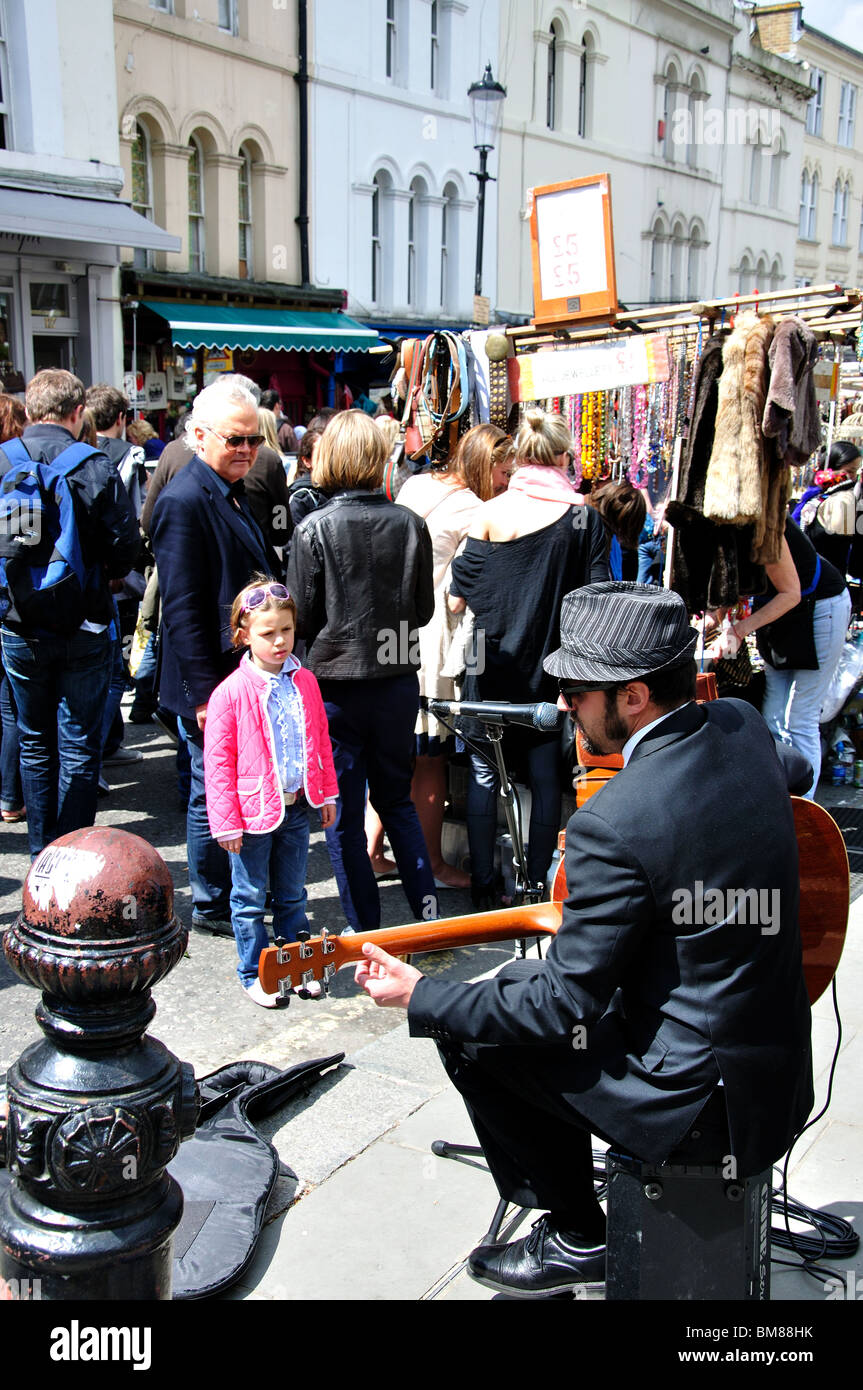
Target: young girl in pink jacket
x,y
267,758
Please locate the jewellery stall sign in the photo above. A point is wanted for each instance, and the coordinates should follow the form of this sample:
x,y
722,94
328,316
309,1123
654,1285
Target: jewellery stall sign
x,y
572,246
639,360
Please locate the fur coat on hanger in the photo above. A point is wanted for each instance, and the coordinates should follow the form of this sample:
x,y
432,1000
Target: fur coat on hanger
x,y
791,414
736,487
712,568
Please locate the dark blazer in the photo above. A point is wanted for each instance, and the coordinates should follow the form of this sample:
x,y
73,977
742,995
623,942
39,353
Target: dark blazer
x,y
205,553
669,1007
266,489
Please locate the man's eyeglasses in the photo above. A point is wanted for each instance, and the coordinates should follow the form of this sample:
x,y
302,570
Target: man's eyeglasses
x,y
236,441
570,689
255,597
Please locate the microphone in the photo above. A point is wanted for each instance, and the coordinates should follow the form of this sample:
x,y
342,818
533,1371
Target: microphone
x,y
541,716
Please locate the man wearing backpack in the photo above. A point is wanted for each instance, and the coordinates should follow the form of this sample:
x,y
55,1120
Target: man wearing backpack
x,y
59,671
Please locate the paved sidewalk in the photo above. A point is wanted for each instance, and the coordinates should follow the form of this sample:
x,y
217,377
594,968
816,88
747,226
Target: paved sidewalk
x,y
372,1214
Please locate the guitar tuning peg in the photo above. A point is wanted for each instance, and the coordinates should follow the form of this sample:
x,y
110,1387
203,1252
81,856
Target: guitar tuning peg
x,y
304,935
279,941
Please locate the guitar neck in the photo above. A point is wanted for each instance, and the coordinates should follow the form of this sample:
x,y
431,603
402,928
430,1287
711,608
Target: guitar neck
x,y
317,955
483,927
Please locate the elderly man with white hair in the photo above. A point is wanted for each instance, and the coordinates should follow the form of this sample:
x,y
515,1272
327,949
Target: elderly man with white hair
x,y
207,545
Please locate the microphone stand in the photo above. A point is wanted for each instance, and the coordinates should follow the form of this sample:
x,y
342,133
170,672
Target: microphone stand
x,y
525,892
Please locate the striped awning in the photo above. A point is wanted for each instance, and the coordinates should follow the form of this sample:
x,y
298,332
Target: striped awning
x,y
221,326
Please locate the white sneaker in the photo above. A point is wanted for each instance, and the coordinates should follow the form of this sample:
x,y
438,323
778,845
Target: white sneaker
x,y
256,993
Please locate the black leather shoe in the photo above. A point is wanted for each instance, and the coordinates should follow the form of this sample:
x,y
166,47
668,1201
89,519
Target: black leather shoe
x,y
545,1263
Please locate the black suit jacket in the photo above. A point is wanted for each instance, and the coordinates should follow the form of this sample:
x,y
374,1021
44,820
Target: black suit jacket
x,y
648,997
205,553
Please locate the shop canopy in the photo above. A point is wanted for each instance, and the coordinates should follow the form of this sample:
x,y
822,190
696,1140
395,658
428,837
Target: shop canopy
x,y
65,217
221,326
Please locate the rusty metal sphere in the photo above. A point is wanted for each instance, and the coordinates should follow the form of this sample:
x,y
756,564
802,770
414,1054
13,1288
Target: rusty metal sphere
x,y
97,917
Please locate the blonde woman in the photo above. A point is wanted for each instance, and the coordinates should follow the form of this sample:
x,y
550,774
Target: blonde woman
x,y
361,573
448,505
526,549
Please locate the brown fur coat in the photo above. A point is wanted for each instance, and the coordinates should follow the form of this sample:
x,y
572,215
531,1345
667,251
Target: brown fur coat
x,y
736,485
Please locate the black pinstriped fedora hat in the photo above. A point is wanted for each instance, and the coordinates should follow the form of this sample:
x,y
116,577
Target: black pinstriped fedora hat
x,y
620,631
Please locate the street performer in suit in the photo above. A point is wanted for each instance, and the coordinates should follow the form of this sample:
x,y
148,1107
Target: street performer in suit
x,y
650,1012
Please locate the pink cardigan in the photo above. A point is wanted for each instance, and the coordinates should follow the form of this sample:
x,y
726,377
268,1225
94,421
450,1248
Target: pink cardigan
x,y
243,789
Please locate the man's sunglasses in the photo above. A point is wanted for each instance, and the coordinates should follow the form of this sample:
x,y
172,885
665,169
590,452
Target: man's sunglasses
x,y
236,441
569,689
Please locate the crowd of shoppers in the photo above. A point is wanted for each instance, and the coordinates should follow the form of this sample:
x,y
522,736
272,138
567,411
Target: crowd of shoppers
x,y
250,537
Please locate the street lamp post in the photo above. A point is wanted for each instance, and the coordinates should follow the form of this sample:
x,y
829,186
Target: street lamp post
x,y
486,102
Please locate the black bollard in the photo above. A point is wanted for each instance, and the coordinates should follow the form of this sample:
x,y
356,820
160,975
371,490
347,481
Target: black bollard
x,y
96,1109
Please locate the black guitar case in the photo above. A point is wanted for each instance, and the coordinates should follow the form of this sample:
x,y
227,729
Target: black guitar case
x,y
227,1171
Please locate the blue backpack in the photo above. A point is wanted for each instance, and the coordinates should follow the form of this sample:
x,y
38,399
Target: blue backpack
x,y
43,579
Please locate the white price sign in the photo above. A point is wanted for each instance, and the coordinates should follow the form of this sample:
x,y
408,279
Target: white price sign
x,y
571,227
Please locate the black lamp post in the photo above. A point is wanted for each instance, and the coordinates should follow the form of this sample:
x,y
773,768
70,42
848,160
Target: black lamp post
x,y
486,104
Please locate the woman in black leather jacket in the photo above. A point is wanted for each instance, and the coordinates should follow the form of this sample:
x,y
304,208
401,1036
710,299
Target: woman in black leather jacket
x,y
361,574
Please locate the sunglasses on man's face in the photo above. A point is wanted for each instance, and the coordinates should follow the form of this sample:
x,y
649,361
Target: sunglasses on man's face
x,y
570,689
236,441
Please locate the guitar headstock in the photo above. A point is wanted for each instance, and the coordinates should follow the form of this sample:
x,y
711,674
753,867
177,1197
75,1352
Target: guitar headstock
x,y
293,965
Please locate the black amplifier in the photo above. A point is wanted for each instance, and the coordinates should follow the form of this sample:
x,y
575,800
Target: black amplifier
x,y
686,1231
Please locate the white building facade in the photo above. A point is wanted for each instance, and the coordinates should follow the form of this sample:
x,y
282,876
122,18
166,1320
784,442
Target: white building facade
x,y
61,220
699,128
393,211
830,188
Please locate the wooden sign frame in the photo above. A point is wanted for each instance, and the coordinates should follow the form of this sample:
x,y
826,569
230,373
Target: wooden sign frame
x,y
559,256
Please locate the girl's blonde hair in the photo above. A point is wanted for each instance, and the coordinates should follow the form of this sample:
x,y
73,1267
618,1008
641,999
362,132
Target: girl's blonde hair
x,y
241,617
351,453
267,426
541,438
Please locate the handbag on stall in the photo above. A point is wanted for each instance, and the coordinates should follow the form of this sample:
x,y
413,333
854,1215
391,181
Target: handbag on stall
x,y
788,644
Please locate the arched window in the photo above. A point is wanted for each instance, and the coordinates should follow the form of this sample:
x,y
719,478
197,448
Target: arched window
x,y
695,96
449,250
672,81
551,98
142,187
808,206
197,238
675,263
585,94
841,199
244,225
777,160
776,275
757,162
417,243
761,275
803,222
693,269
658,238
377,187
745,282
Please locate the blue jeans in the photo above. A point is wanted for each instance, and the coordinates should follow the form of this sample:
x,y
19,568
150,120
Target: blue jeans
x,y
60,685
11,794
209,870
280,855
793,699
544,777
650,561
116,687
372,733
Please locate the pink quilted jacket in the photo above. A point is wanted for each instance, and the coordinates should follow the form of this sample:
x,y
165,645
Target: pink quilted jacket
x,y
242,784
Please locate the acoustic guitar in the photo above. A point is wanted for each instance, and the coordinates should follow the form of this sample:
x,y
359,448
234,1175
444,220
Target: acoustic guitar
x,y
824,901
